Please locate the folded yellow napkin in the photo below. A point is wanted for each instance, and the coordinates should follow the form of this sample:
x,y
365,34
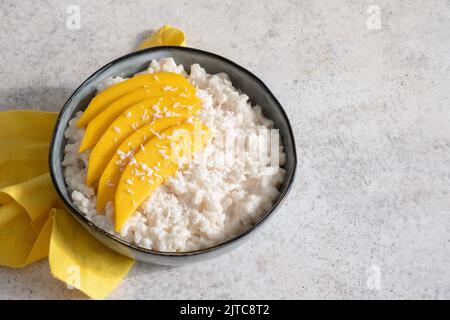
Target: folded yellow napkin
x,y
167,35
33,222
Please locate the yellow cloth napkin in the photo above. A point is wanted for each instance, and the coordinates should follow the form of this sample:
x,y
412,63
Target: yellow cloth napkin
x,y
33,222
167,35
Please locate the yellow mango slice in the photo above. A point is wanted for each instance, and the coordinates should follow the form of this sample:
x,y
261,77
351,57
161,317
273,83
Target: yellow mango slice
x,y
170,79
132,119
97,126
158,160
110,177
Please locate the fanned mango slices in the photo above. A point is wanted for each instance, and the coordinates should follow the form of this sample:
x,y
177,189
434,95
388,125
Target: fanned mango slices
x,y
110,177
102,100
133,118
97,126
140,130
158,160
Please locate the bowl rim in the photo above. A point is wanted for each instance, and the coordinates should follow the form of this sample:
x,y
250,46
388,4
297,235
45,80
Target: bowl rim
x,y
73,210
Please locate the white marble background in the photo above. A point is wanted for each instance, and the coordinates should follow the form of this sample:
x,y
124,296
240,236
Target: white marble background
x,y
368,216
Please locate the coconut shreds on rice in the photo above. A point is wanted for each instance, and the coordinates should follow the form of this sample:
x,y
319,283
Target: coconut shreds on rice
x,y
207,201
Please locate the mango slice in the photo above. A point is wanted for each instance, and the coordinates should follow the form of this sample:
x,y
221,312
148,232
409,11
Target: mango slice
x,y
97,126
133,118
110,177
158,160
170,80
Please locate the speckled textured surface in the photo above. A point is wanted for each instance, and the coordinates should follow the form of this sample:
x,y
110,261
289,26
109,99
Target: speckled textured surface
x,y
370,109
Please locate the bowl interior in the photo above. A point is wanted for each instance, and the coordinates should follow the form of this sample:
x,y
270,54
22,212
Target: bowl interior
x,y
138,61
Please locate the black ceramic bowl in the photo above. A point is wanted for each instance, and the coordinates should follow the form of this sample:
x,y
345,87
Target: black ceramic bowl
x,y
129,65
